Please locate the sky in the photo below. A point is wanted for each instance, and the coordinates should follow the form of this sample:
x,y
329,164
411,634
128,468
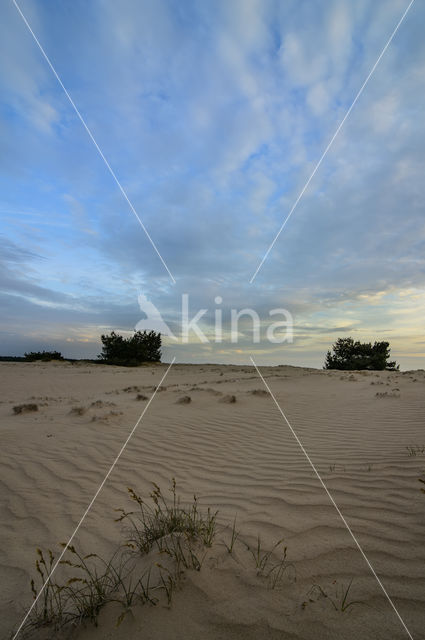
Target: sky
x,y
212,115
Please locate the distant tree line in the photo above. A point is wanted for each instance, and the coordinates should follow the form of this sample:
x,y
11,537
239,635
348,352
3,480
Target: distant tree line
x,y
45,356
349,355
143,346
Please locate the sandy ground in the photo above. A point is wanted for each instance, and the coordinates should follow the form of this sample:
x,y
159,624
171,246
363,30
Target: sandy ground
x,y
240,458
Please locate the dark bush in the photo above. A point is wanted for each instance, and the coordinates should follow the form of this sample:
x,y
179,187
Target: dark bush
x,y
144,346
25,408
43,355
350,355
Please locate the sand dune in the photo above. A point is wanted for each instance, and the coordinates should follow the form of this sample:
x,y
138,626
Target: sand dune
x,y
239,456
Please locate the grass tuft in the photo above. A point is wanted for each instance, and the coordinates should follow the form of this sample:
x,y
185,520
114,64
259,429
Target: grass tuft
x,y
415,450
25,408
182,533
152,523
233,539
338,599
268,566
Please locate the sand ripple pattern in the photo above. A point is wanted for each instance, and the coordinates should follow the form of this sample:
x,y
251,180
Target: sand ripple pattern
x,y
240,458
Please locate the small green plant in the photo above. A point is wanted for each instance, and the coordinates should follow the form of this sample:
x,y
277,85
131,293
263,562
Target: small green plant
x,y
415,450
277,571
134,593
49,608
25,408
98,580
335,467
233,538
152,523
273,570
339,599
183,550
82,595
168,584
260,557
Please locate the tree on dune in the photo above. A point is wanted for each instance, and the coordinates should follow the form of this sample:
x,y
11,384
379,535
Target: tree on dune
x,y
143,346
349,355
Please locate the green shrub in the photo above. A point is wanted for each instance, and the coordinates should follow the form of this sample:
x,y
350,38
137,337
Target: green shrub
x,y
143,346
350,355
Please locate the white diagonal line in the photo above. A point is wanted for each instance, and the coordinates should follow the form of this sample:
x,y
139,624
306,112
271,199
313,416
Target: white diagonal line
x,y
332,500
331,141
94,141
93,499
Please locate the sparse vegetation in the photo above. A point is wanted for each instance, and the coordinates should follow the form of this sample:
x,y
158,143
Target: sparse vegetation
x,y
336,467
78,411
234,537
266,565
181,534
93,584
152,523
387,394
415,450
349,355
262,393
25,408
338,599
228,399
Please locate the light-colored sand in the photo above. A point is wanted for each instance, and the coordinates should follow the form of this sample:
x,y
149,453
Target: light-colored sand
x,y
240,458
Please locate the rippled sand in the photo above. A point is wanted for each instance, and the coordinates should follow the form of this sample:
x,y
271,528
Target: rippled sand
x,y
240,458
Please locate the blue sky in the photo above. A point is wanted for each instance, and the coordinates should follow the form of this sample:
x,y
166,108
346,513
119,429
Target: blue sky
x,y
213,115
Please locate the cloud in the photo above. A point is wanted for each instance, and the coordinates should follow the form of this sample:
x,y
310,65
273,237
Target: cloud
x,y
213,116
24,76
